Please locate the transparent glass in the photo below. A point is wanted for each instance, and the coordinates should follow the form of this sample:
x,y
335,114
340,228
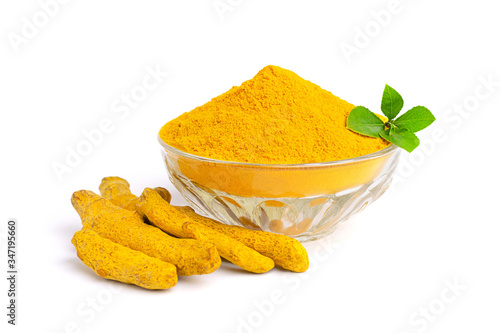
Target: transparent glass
x,y
304,201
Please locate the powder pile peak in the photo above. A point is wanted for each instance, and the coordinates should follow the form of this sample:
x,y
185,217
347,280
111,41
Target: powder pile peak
x,y
275,118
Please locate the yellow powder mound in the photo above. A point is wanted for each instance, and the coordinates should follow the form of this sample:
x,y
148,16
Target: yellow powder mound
x,y
275,118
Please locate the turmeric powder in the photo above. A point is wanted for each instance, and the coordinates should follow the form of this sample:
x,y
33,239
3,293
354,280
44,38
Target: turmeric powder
x,y
128,229
171,220
117,190
116,262
275,118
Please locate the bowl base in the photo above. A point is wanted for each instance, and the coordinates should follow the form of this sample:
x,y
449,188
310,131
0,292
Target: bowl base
x,y
305,218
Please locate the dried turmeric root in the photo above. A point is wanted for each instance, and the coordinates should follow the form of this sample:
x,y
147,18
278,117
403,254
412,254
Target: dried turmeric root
x,y
285,251
230,249
116,262
117,190
161,213
169,219
128,229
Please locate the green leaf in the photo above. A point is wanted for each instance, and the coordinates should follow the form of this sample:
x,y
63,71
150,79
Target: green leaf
x,y
391,128
401,138
392,102
399,131
415,119
363,121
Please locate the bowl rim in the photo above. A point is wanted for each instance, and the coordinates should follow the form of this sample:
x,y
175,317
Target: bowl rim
x,y
379,153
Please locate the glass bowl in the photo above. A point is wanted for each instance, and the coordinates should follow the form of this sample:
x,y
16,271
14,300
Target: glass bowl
x,y
304,201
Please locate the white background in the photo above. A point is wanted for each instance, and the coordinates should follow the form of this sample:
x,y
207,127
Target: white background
x,y
380,272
